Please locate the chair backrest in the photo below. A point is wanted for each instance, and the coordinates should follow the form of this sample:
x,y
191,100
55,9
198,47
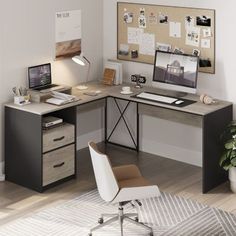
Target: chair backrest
x,y
105,178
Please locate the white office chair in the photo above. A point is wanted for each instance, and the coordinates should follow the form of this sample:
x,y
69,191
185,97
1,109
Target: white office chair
x,y
122,185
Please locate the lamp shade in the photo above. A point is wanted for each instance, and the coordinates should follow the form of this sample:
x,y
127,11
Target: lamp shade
x,y
79,59
82,61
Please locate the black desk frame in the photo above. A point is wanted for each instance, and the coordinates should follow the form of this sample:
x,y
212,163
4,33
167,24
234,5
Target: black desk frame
x,y
135,140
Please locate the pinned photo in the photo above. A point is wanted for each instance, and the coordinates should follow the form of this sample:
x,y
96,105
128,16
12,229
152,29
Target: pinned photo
x,y
196,52
193,36
163,19
128,17
163,47
134,54
142,11
205,63
142,22
207,33
204,21
152,19
124,50
178,51
175,29
189,21
206,43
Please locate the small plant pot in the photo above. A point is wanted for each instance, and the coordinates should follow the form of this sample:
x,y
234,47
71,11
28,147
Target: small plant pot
x,y
232,179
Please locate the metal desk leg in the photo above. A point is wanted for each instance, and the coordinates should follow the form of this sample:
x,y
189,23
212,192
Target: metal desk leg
x,y
122,117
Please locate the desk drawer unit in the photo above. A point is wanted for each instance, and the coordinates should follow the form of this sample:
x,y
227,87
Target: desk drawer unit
x,y
58,137
58,164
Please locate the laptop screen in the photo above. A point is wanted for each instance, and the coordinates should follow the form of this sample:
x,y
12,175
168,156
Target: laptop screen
x,y
39,76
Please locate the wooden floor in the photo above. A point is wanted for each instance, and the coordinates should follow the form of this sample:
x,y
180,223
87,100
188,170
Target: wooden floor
x,y
171,176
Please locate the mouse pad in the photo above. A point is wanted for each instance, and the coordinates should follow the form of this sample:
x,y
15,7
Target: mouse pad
x,y
185,103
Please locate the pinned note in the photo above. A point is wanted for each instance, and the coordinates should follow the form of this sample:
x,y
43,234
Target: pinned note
x,y
175,29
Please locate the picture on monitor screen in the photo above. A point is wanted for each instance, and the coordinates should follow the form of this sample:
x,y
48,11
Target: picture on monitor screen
x,y
39,75
176,69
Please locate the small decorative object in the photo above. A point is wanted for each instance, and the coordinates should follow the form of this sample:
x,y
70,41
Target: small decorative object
x,y
139,80
228,158
134,54
21,96
109,76
19,100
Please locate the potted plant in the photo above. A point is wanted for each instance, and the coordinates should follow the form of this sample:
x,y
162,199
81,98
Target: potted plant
x,y
228,158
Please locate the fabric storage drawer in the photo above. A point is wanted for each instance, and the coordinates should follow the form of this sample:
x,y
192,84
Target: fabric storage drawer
x,y
58,137
58,164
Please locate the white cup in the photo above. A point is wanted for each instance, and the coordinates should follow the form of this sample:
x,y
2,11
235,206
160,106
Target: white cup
x,y
126,89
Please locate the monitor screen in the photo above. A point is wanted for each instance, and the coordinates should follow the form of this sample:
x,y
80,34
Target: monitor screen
x,y
176,71
39,75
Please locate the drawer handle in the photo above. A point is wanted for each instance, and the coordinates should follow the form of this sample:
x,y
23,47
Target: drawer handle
x,y
59,165
58,139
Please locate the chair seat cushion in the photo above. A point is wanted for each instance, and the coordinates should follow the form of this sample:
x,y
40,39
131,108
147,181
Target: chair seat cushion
x,y
134,182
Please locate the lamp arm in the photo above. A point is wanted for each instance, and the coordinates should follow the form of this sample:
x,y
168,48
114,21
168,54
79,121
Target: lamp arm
x,y
88,72
86,60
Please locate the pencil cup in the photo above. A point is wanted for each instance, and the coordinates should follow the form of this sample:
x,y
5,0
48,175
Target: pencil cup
x,y
19,100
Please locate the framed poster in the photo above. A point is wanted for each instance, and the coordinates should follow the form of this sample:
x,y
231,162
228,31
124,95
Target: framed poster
x,y
68,34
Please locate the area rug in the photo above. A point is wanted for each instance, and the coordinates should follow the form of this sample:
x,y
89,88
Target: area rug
x,y
168,215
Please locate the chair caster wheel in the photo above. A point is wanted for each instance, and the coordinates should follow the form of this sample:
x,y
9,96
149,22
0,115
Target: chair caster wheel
x,y
136,219
90,234
100,221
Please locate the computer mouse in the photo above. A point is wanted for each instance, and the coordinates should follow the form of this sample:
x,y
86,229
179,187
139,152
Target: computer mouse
x,y
178,102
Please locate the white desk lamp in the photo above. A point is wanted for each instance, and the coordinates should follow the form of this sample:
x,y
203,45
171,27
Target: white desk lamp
x,y
82,61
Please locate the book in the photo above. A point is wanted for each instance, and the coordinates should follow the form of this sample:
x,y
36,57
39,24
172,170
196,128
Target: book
x,y
108,77
117,66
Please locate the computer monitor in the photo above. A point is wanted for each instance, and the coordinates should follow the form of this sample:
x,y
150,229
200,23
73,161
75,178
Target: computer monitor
x,y
39,76
176,72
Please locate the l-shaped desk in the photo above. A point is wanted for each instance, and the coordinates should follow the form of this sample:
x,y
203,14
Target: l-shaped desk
x,y
24,154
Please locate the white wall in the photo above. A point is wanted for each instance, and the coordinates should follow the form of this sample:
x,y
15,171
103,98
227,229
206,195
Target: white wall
x,y
27,37
220,85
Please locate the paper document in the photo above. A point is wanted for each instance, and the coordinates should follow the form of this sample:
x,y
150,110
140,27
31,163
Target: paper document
x,y
175,29
61,98
134,35
193,36
147,44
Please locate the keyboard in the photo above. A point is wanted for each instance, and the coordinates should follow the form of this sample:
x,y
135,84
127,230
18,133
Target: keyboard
x,y
156,97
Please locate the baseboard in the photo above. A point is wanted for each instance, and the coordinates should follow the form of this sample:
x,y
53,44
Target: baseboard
x,y
96,136
149,146
172,152
2,175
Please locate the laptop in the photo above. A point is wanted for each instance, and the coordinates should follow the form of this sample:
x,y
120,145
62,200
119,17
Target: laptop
x,y
40,78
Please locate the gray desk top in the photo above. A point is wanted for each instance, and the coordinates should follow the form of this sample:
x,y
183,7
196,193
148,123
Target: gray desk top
x,y
197,108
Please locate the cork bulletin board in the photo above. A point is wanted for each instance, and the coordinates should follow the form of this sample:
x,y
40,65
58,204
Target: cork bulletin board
x,y
143,28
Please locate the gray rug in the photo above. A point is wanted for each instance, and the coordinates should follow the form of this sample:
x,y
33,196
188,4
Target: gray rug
x,y
168,215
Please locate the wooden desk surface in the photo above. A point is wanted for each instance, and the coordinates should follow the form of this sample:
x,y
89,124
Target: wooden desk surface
x,y
114,91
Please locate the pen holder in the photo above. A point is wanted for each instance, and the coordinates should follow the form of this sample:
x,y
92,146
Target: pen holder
x,y
19,100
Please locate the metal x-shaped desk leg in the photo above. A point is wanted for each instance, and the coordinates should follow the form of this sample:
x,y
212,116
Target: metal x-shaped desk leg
x,y
122,117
